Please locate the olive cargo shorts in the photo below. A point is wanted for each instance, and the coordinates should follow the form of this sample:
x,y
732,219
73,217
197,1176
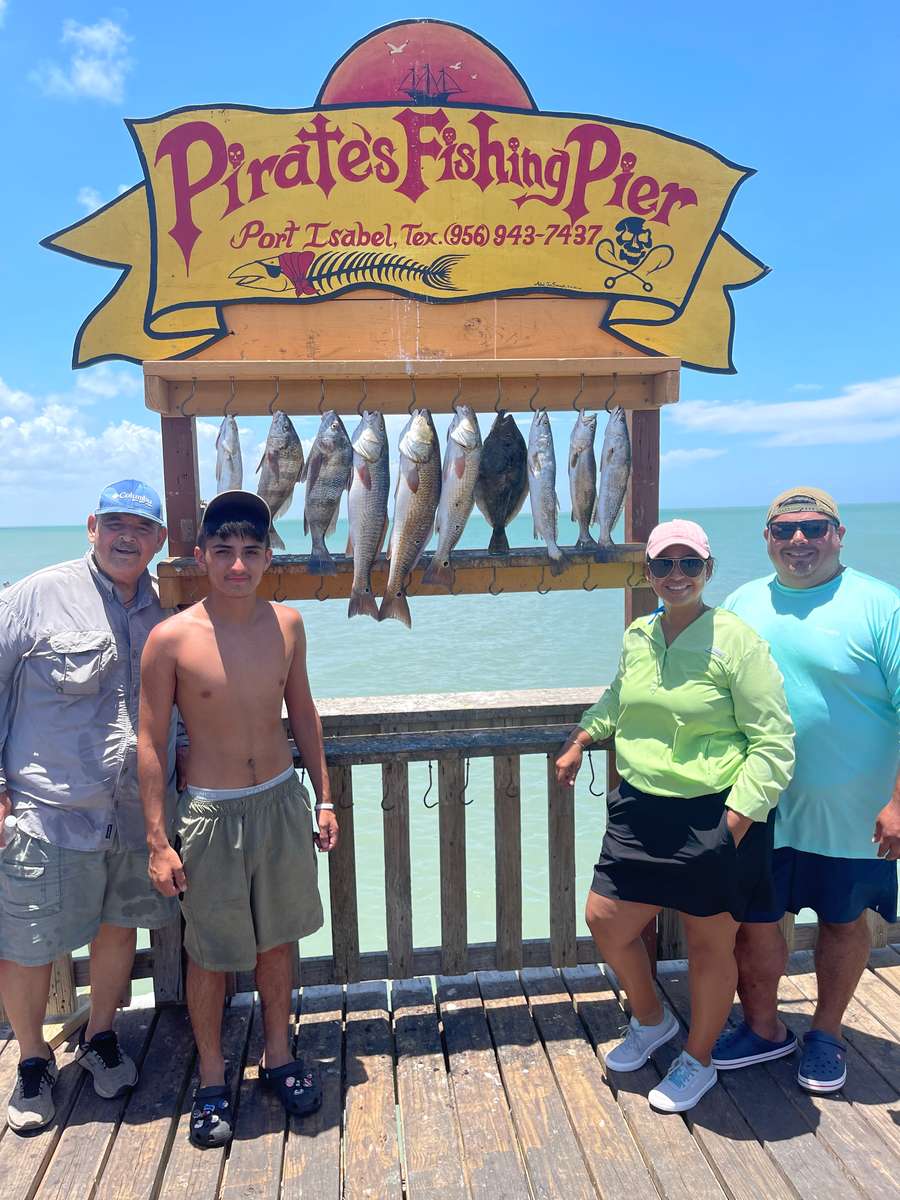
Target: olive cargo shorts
x,y
251,871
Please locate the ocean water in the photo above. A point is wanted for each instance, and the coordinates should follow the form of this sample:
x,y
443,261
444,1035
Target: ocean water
x,y
485,643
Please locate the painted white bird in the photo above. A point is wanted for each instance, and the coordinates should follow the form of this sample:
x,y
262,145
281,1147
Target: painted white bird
x,y
456,66
397,49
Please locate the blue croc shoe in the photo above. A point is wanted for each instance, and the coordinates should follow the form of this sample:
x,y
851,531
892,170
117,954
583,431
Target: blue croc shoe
x,y
741,1047
823,1064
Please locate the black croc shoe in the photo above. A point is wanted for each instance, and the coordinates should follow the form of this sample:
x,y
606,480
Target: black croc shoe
x,y
211,1116
296,1086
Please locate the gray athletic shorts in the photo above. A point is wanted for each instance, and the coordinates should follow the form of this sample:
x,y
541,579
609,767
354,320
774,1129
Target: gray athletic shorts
x,y
53,900
251,872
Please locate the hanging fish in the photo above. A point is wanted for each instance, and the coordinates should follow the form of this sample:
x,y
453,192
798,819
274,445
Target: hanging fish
x,y
327,476
229,465
502,483
461,462
615,467
367,508
542,487
279,469
583,476
415,503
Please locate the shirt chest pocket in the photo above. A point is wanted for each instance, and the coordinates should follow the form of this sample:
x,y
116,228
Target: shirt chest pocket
x,y
80,657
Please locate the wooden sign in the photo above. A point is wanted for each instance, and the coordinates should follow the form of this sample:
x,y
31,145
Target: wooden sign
x,y
424,169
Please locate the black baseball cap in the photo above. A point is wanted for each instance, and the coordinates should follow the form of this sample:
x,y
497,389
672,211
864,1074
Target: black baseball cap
x,y
237,505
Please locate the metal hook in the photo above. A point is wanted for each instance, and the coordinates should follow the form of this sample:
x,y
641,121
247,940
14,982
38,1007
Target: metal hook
x,y
577,395
279,595
612,394
453,402
319,594
587,576
188,398
534,395
321,397
412,403
466,802
231,398
384,796
593,778
492,586
364,400
542,588
435,803
275,398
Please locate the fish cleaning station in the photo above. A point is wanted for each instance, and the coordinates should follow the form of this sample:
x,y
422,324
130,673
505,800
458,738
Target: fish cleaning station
x,y
424,237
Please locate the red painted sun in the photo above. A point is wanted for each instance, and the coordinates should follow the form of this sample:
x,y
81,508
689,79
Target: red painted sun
x,y
424,62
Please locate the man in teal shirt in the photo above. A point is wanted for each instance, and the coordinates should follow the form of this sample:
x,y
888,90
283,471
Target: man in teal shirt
x,y
835,635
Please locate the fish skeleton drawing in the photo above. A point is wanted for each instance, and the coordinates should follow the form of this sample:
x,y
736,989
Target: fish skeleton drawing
x,y
307,274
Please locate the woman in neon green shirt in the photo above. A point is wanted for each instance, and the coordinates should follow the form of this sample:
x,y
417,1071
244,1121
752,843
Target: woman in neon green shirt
x,y
704,746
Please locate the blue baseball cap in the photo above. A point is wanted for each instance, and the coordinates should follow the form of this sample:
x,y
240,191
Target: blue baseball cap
x,y
130,496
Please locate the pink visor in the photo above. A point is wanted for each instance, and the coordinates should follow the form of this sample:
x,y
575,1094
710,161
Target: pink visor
x,y
678,533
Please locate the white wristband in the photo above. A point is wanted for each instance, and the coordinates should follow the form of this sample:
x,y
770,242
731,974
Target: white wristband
x,y
318,806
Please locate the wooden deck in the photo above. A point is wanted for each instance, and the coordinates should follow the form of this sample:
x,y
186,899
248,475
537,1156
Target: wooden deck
x,y
487,1086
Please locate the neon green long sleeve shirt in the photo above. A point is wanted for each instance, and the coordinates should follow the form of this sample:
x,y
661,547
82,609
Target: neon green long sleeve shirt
x,y
704,714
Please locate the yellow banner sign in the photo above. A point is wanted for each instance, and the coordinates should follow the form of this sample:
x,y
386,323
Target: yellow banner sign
x,y
435,198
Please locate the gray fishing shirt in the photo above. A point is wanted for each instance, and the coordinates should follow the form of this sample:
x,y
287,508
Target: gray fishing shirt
x,y
70,654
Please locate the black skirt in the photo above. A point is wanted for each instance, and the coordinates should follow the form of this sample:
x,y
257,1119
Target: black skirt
x,y
679,853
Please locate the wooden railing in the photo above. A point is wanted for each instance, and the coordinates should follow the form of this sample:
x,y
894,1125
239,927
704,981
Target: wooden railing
x,y
446,730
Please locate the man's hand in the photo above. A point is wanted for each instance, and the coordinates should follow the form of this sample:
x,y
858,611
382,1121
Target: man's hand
x,y
326,838
166,871
887,831
569,764
182,755
5,810
738,825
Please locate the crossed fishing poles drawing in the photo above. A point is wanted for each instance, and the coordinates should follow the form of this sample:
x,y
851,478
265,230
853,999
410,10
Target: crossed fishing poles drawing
x,y
631,252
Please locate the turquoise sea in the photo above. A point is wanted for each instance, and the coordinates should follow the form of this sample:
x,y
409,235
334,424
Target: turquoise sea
x,y
485,643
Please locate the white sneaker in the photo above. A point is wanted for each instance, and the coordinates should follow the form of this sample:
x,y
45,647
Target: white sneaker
x,y
31,1104
685,1082
113,1071
640,1042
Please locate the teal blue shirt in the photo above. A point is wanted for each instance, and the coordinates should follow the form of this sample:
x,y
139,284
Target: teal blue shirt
x,y
838,649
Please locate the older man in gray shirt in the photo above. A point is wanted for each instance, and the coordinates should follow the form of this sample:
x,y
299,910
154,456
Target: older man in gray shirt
x,y
73,863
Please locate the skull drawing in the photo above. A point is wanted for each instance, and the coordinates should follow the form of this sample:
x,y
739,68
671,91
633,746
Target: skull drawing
x,y
235,154
633,239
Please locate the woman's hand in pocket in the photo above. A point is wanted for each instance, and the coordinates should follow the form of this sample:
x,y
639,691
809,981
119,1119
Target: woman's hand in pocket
x,y
738,825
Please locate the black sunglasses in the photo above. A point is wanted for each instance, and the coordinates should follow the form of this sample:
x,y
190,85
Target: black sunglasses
x,y
783,531
659,568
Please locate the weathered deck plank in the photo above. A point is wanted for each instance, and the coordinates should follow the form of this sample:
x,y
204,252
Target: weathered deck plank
x,y
81,1152
135,1164
675,1161
430,1128
312,1152
189,1171
609,1150
493,1162
371,1150
552,1155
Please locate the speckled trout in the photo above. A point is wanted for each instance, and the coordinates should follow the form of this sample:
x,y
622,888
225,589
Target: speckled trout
x,y
367,507
461,461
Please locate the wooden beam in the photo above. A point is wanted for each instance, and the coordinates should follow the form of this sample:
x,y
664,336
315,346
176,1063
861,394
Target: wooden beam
x,y
475,573
342,883
397,872
508,860
452,818
561,850
181,474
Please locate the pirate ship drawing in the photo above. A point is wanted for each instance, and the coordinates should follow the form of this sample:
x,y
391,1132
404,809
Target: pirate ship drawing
x,y
424,86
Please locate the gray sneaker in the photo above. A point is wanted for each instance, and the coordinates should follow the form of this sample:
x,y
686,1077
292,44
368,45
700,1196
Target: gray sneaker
x,y
114,1072
640,1041
31,1104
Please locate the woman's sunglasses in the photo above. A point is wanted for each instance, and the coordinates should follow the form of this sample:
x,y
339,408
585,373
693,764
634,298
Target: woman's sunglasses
x,y
659,568
783,531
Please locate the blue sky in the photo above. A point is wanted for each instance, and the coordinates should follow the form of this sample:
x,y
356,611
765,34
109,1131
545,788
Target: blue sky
x,y
806,93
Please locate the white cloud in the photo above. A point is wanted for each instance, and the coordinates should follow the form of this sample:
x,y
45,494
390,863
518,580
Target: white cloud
x,y
106,382
861,412
806,387
89,199
3,7
12,400
685,458
97,66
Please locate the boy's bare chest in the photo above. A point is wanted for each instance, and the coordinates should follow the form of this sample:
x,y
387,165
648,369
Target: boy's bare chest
x,y
241,668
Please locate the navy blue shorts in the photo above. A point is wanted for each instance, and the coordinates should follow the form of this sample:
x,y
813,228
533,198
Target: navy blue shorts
x,y
838,890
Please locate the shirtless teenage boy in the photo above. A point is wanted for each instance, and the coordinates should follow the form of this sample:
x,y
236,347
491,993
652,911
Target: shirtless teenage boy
x,y
247,869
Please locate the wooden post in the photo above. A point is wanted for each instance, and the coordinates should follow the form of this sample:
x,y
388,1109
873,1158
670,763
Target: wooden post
x,y
342,881
63,998
452,822
182,482
561,847
397,877
168,970
641,514
508,860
